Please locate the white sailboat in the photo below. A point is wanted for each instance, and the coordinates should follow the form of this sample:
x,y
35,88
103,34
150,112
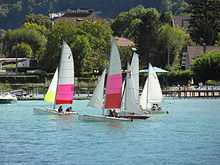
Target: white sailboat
x,y
112,99
61,89
130,106
151,96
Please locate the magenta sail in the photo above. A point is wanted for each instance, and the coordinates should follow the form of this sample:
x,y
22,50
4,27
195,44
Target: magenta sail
x,y
113,91
65,94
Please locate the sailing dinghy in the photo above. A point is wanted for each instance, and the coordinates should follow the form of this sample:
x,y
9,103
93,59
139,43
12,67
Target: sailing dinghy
x,y
151,96
130,102
112,99
61,89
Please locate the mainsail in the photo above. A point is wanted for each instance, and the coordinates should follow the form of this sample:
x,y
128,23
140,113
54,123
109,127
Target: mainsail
x,y
114,80
152,93
129,104
96,100
51,92
65,86
135,75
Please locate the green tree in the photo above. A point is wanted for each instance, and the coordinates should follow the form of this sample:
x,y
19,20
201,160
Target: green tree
x,y
141,25
147,40
89,42
22,50
172,41
207,67
35,39
205,21
38,19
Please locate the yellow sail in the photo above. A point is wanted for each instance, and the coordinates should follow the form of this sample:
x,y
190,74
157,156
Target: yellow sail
x,y
51,92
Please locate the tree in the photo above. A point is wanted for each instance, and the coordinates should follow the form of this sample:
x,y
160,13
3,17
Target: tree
x,y
147,40
35,39
22,50
172,41
88,40
38,19
141,25
205,21
207,67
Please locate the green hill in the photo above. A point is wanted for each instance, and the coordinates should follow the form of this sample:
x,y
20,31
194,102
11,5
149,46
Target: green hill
x,y
12,12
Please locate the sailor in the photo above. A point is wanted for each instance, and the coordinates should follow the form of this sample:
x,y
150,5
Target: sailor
x,y
111,114
115,114
60,109
69,109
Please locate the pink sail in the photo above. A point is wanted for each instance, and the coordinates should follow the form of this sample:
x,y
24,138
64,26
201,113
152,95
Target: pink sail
x,y
114,80
65,86
65,94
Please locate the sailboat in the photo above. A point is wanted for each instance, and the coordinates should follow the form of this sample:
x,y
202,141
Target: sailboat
x,y
112,99
61,89
130,102
151,96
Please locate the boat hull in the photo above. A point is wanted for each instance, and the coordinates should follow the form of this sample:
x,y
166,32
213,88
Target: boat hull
x,y
101,118
7,101
143,117
49,111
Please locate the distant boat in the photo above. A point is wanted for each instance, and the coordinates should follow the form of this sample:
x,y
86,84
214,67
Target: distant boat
x,y
151,97
7,98
112,99
130,103
61,89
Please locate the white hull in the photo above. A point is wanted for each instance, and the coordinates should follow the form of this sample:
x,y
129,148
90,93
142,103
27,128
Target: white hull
x,y
101,118
48,111
7,99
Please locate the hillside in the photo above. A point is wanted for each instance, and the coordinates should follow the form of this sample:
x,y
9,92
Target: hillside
x,y
12,12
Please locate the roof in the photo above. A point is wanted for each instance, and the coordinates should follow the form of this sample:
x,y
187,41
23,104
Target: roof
x,y
195,51
124,42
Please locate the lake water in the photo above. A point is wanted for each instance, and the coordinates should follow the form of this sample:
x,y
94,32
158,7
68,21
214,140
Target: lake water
x,y
188,135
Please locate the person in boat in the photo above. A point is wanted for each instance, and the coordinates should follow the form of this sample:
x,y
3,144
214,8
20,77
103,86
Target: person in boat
x,y
115,114
69,109
155,107
111,114
60,109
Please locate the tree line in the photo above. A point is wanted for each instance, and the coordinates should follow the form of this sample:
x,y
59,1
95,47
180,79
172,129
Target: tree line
x,y
156,39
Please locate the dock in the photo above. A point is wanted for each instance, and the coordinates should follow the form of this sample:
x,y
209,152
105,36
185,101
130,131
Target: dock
x,y
192,93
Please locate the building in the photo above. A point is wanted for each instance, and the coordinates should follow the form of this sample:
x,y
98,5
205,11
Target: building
x,y
23,64
182,21
192,52
124,42
75,15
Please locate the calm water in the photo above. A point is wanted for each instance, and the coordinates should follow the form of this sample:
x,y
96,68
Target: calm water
x,y
188,135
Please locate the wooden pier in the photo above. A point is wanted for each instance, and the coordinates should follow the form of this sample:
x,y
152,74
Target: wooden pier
x,y
191,93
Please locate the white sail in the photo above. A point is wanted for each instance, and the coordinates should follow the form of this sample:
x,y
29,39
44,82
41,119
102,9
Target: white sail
x,y
65,86
152,93
51,92
96,100
129,103
135,75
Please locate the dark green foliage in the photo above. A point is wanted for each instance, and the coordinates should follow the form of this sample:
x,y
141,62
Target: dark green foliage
x,y
181,77
31,37
152,37
89,42
12,12
207,67
205,21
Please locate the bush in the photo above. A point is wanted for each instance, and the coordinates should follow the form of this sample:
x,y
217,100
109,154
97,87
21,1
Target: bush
x,y
207,67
